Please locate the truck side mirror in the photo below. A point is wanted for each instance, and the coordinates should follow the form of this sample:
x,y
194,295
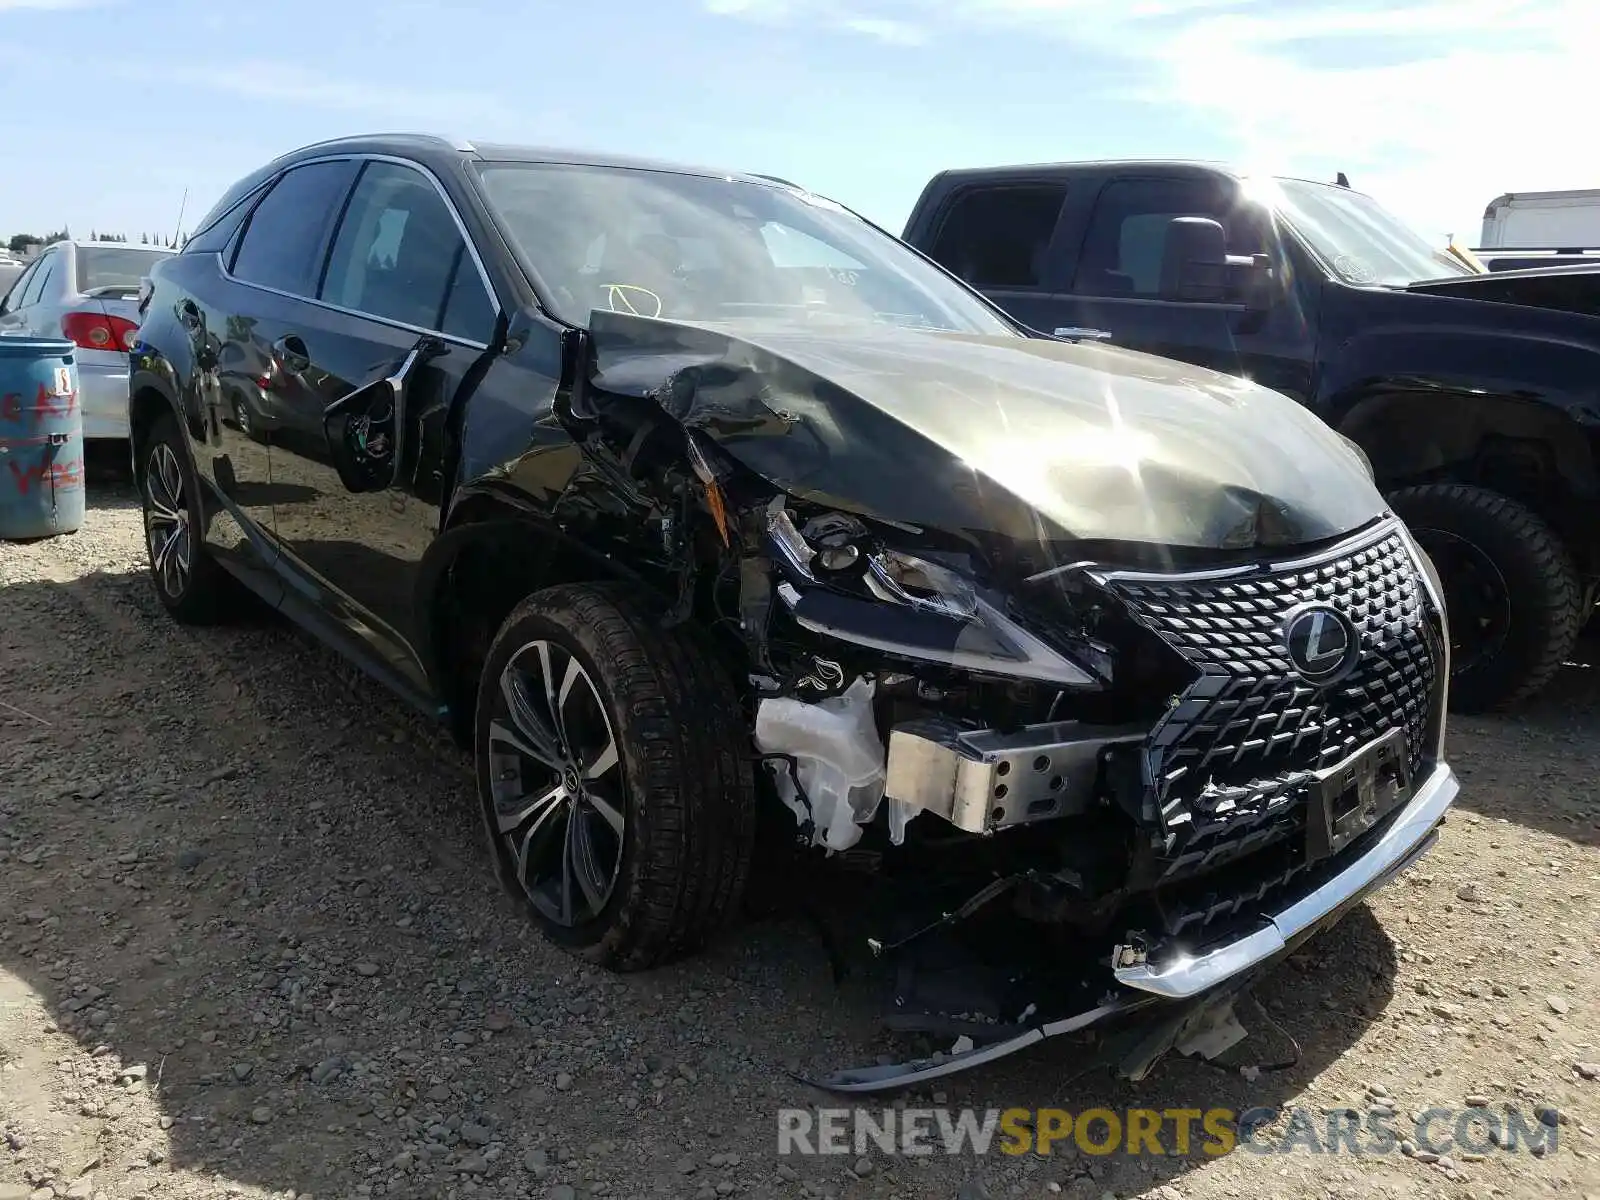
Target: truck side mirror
x,y
1196,266
1194,261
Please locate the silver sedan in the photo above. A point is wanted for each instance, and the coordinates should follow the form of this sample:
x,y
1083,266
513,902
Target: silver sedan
x,y
87,293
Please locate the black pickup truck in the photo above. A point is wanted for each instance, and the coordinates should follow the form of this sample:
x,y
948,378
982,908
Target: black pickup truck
x,y
1475,395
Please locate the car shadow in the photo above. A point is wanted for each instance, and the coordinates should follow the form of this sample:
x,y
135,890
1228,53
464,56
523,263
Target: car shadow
x,y
1534,766
258,884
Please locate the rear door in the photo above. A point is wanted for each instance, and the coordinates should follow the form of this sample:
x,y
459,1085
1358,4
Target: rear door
x,y
273,270
1002,239
399,272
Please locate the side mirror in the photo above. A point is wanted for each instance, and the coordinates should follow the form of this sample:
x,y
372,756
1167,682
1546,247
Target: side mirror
x,y
365,429
1196,266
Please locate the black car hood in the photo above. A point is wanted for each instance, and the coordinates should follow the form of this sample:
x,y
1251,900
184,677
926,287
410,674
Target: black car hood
x,y
1574,289
1026,438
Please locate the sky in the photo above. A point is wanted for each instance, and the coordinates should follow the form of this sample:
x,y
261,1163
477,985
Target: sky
x,y
116,108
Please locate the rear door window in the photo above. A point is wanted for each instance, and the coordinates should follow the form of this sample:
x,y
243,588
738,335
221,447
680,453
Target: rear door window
x,y
997,237
19,288
43,279
283,242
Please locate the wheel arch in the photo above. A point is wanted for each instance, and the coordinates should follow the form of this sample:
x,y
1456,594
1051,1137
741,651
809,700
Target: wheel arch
x,y
493,553
1525,449
148,401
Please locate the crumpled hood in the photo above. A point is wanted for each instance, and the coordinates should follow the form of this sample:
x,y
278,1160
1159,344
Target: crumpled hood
x,y
1026,438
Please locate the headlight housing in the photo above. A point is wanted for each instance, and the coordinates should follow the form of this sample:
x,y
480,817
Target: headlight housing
x,y
886,599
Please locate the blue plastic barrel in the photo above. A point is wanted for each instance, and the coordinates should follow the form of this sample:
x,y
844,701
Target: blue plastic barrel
x,y
41,438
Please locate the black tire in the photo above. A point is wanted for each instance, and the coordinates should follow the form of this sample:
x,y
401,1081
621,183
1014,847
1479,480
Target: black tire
x,y
1514,597
203,592
685,775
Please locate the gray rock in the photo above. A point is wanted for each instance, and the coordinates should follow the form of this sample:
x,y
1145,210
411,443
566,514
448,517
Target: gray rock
x,y
439,1093
261,1114
563,1191
190,858
536,1163
476,1135
366,969
563,1082
243,1071
1589,1070
1558,1005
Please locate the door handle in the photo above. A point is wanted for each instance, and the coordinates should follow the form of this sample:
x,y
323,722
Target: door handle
x,y
291,352
1079,333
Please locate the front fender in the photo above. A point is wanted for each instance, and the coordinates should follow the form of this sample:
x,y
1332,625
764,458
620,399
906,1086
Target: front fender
x,y
1421,399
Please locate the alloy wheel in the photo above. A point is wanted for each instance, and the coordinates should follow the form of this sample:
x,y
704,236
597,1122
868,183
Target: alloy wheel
x,y
556,782
1476,596
166,520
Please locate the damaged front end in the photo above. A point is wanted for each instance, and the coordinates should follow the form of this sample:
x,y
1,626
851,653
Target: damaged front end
x,y
1095,776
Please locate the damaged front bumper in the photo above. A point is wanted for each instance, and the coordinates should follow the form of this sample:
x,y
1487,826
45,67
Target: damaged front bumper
x,y
1410,835
1191,987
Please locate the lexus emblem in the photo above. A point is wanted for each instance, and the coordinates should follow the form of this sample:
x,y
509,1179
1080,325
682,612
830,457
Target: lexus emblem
x,y
1320,642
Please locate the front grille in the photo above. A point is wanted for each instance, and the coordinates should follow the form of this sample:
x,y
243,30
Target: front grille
x,y
1241,740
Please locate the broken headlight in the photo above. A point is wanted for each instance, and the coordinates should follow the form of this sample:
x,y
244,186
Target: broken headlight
x,y
902,604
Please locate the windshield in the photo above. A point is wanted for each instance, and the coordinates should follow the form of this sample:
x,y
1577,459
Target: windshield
x,y
115,266
1362,241
688,247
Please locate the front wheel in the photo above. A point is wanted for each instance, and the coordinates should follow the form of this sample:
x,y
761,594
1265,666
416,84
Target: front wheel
x,y
614,777
1512,595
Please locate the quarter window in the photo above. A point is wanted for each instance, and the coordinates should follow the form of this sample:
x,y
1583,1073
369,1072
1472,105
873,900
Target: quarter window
x,y
399,255
996,237
282,244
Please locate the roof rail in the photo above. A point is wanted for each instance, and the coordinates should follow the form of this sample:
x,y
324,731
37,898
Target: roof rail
x,y
778,179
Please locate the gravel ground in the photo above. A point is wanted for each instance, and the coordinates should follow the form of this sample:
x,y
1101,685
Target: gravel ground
x,y
250,945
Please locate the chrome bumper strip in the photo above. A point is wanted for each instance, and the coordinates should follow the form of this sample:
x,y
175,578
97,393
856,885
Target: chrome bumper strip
x,y
1410,835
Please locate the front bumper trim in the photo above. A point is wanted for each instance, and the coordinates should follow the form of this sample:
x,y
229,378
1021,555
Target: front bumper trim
x,y
1409,836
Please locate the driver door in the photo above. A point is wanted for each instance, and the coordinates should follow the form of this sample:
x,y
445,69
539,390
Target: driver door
x,y
1115,292
399,277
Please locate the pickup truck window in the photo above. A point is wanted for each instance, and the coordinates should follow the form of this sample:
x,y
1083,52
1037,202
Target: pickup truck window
x,y
1359,239
695,247
1127,233
996,237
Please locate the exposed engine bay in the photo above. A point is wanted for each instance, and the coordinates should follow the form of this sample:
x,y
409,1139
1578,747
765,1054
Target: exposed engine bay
x,y
1088,775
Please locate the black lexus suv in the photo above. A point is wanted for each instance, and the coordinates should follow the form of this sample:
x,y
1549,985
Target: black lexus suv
x,y
697,506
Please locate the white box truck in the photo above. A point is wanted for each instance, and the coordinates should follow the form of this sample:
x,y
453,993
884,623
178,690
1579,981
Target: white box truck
x,y
1523,230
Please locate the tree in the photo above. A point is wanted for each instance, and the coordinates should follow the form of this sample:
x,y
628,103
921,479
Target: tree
x,y
21,241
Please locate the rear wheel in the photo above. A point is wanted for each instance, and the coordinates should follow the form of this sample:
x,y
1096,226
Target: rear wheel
x,y
189,583
615,783
1512,595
